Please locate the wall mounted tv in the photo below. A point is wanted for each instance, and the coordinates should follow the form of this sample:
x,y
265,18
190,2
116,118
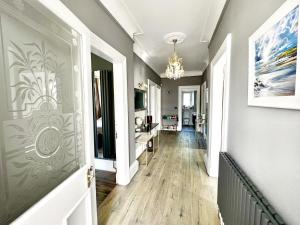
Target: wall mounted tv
x,y
139,99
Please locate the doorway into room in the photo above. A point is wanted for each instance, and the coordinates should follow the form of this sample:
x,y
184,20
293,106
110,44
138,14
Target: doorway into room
x,y
188,114
104,126
188,107
103,98
189,111
110,82
108,53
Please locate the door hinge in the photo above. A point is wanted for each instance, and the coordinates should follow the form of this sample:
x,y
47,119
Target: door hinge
x,y
90,175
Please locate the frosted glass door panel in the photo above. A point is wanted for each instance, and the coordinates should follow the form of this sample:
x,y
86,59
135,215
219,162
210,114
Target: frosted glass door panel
x,y
41,106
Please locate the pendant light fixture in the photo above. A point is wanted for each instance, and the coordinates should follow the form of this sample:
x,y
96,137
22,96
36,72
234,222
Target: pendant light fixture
x,y
175,66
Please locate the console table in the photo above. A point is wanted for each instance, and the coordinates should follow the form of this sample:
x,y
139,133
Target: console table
x,y
145,135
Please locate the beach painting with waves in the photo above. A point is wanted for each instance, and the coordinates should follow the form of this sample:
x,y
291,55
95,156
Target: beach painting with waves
x,y
276,58
273,56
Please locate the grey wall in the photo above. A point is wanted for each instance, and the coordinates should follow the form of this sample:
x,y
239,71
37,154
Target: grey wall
x,y
169,92
264,141
142,72
99,63
96,17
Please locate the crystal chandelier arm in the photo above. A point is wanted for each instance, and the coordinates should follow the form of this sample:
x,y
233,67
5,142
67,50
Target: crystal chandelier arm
x,y
175,68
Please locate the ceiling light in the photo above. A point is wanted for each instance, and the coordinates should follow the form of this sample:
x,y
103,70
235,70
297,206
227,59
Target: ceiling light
x,y
175,67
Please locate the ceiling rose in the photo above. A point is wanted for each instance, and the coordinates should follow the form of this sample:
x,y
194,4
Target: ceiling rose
x,y
170,37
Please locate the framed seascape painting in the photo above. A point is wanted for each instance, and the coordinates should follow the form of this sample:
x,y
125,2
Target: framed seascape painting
x,y
274,72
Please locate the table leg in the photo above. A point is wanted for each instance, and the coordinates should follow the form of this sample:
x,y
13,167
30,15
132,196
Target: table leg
x,y
153,145
158,132
147,155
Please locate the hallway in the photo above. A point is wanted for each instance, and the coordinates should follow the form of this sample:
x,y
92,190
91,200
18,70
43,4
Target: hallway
x,y
173,189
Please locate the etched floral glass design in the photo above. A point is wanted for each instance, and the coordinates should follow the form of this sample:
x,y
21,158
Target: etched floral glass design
x,y
41,106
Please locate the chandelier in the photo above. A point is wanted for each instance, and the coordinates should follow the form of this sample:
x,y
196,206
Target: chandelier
x,y
175,67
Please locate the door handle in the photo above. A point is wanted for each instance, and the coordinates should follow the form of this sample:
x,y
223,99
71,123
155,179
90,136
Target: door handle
x,y
90,176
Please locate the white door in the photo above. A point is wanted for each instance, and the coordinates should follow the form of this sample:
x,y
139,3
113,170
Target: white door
x,y
219,106
153,102
152,98
203,99
158,106
217,114
45,115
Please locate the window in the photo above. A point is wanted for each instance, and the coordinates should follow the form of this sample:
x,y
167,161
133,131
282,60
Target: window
x,y
188,99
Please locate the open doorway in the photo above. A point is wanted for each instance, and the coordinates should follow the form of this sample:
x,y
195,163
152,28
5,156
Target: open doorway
x,y
103,98
188,107
104,126
113,169
119,162
189,111
219,104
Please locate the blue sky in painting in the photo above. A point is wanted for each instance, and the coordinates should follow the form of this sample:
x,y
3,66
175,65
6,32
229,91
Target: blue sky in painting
x,y
276,58
279,38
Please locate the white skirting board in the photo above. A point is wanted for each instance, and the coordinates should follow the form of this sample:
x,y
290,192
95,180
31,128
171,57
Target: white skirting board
x,y
134,168
106,165
221,219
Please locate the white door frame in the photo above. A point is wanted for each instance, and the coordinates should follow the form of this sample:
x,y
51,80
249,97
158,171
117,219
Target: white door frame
x,y
213,154
104,50
60,204
182,89
203,98
150,96
158,108
154,97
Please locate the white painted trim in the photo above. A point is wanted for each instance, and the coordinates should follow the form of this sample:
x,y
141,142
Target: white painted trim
x,y
121,13
119,10
106,51
149,97
106,165
158,108
46,207
213,157
73,191
134,168
221,219
180,90
191,73
157,101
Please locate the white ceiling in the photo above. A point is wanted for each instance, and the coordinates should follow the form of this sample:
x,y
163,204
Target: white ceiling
x,y
151,20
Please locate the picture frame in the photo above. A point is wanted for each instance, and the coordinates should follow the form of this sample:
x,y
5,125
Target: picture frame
x,y
274,68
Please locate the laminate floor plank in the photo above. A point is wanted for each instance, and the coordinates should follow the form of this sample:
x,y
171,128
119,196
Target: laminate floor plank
x,y
105,183
173,189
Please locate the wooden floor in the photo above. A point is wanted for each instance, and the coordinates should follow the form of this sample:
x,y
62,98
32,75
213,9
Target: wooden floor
x,y
173,190
105,183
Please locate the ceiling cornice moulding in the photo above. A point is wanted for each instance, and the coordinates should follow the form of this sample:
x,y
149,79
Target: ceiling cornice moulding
x,y
140,52
121,13
123,16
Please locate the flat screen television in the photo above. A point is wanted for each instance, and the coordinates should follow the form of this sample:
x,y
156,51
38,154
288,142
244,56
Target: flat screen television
x,y
139,99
